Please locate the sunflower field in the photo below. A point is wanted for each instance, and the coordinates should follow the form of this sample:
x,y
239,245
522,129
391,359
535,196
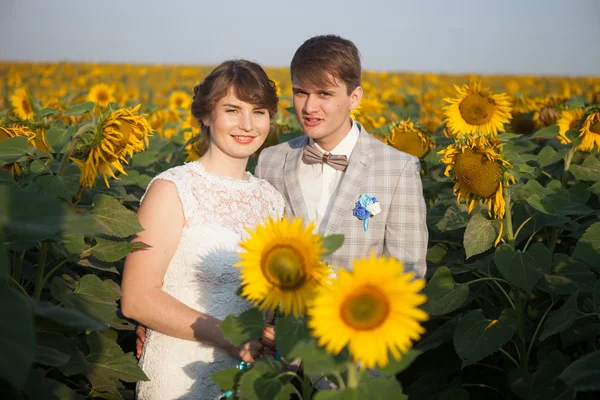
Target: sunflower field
x,y
510,307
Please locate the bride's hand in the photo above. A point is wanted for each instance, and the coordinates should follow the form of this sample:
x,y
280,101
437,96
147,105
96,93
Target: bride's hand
x,y
248,352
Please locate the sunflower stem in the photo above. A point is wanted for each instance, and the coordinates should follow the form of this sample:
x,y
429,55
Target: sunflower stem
x,y
508,218
39,283
568,159
64,162
352,376
537,329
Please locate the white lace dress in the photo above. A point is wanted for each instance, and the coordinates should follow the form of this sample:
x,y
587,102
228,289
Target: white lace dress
x,y
201,275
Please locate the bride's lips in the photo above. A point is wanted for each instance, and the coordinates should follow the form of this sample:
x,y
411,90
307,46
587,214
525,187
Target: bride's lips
x,y
310,121
241,139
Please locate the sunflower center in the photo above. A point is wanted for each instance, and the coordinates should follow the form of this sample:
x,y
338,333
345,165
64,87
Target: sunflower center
x,y
476,109
480,175
26,106
102,96
284,268
365,309
178,102
595,128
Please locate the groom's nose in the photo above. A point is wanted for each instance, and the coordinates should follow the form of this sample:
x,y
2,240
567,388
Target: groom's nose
x,y
310,105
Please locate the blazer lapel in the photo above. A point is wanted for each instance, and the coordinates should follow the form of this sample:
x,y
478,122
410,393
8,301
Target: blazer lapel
x,y
292,182
348,191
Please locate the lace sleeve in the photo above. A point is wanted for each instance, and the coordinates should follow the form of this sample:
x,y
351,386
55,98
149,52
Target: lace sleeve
x,y
182,179
274,199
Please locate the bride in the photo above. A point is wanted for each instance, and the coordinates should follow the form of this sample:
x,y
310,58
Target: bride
x,y
194,216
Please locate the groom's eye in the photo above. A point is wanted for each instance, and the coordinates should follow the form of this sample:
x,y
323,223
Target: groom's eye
x,y
259,112
231,110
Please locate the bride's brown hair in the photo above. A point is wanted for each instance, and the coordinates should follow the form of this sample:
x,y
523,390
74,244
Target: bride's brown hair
x,y
248,81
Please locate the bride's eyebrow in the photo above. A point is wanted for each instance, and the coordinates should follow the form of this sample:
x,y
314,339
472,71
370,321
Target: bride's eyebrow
x,y
231,105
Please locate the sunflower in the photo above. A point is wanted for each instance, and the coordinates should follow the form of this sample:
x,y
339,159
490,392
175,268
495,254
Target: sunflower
x,y
590,133
10,132
180,99
481,174
374,309
477,110
101,94
569,120
22,104
409,138
159,118
281,265
118,135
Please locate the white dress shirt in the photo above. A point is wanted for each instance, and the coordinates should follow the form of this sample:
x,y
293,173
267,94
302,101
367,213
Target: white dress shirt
x,y
320,182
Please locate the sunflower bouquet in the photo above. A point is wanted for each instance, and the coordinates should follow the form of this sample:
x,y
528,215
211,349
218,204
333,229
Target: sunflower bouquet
x,y
343,325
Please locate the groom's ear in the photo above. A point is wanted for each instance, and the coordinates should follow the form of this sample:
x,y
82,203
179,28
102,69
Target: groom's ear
x,y
355,97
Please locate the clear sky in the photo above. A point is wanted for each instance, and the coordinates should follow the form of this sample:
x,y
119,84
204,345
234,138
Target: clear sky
x,y
454,36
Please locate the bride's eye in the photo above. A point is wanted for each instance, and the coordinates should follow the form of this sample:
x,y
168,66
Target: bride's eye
x,y
231,110
259,112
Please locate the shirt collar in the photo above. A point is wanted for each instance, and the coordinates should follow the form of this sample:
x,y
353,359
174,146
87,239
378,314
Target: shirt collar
x,y
345,147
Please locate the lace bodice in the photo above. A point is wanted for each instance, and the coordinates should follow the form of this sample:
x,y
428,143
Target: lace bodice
x,y
202,275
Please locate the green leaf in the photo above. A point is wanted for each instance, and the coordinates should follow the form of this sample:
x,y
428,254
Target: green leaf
x,y
114,250
260,382
40,387
113,218
596,296
561,319
575,102
477,337
64,186
372,389
29,217
435,254
588,246
589,170
49,111
397,366
107,361
288,332
480,234
331,243
76,363
92,262
583,375
517,267
595,188
315,359
78,109
560,202
226,378
67,318
244,328
12,149
544,384
88,295
134,178
549,132
145,158
57,138
51,357
441,335
17,336
548,156
542,257
73,242
444,295
456,217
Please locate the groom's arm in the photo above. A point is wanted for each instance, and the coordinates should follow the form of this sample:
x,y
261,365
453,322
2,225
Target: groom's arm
x,y
406,232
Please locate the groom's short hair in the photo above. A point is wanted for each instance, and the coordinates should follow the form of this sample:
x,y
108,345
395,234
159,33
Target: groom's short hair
x,y
327,54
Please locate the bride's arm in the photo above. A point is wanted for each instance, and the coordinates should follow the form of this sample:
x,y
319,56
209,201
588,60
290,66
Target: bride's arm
x,y
162,217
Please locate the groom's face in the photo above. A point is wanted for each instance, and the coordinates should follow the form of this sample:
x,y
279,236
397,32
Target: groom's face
x,y
324,112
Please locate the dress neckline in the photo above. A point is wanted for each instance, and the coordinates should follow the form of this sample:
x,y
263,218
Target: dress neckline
x,y
198,167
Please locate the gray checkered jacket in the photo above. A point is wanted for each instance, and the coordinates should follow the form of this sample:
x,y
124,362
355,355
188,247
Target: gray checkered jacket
x,y
375,169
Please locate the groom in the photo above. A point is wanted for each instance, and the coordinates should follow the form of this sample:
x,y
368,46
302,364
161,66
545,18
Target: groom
x,y
322,175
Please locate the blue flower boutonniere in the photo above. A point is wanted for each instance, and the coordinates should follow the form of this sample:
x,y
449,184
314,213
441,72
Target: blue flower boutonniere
x,y
366,207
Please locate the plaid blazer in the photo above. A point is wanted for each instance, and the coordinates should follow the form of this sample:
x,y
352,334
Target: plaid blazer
x,y
376,169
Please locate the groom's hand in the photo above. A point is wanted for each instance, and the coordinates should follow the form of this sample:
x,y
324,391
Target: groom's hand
x,y
140,331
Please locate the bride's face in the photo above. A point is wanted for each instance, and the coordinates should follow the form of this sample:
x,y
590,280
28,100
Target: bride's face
x,y
237,128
